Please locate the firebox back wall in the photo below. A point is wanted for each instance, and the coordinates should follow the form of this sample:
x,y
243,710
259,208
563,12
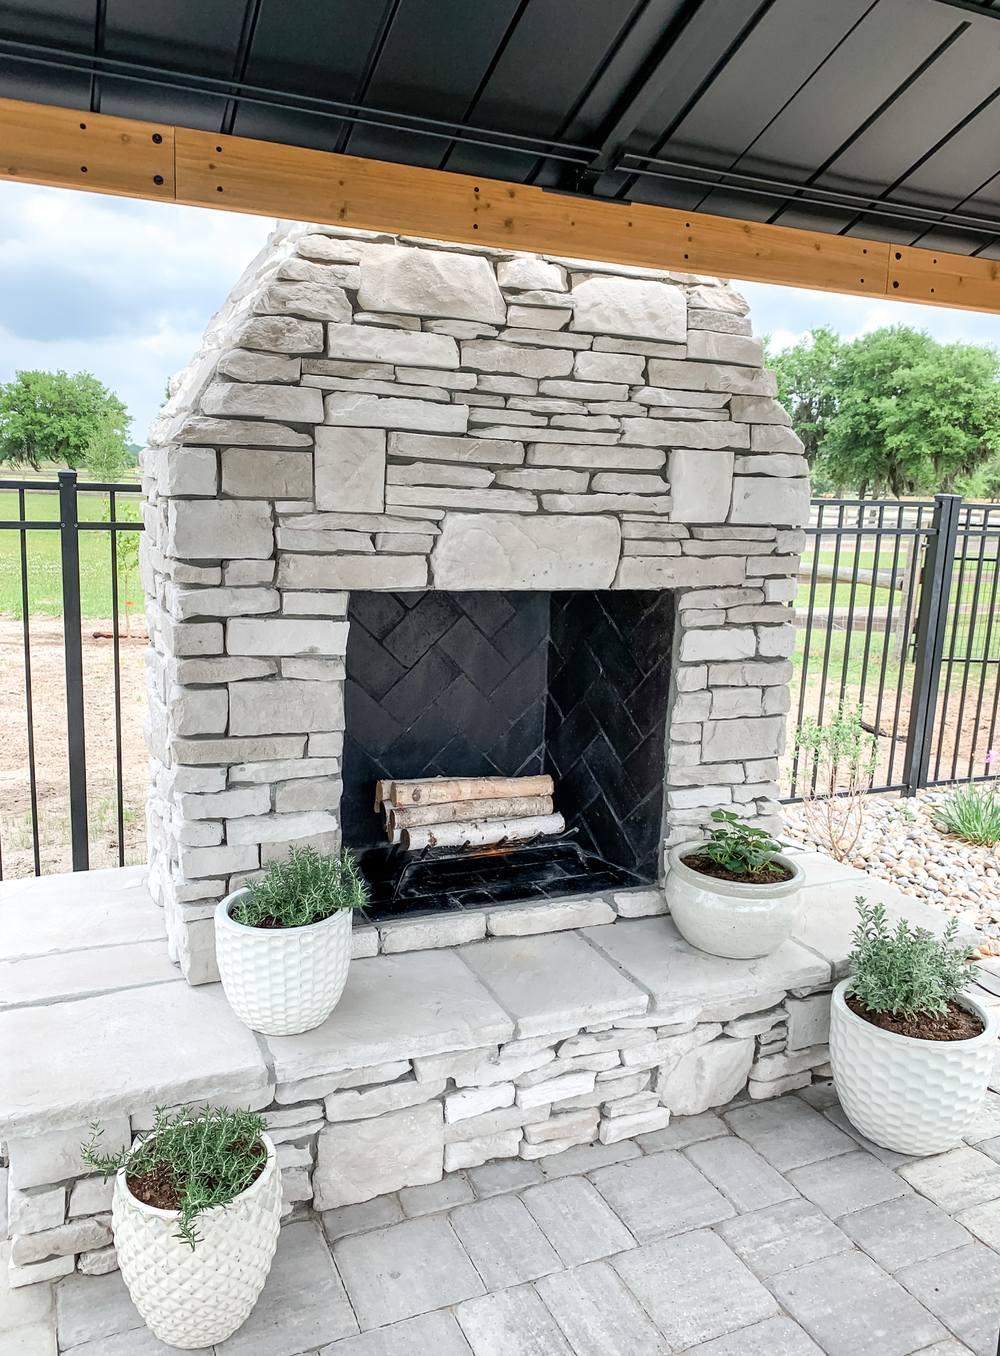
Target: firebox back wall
x,y
511,684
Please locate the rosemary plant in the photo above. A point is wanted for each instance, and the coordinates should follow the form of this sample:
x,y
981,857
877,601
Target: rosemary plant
x,y
212,1155
908,972
739,847
304,889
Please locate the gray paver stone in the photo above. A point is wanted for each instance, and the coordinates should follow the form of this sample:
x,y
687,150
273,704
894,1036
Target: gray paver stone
x,y
426,1200
659,1195
852,1308
694,1288
358,1219
788,1133
987,1122
598,1315
135,1342
493,1179
514,1322
984,1221
773,1337
902,1232
847,1182
782,1236
426,1335
739,1172
586,1157
89,1308
961,1288
409,1269
956,1179
506,1245
682,1131
302,1305
577,1221
837,1116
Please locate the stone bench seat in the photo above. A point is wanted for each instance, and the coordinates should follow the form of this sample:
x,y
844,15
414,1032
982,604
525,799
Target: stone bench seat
x,y
433,1060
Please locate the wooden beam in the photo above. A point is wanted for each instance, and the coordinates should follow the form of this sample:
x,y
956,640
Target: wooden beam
x,y
68,149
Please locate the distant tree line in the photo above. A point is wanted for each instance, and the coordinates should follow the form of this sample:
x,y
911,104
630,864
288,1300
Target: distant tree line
x,y
75,421
894,413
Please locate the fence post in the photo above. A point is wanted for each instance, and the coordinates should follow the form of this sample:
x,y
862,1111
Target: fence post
x,y
69,536
932,621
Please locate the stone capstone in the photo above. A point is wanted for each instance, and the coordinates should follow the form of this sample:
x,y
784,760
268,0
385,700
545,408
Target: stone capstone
x,y
630,306
514,551
431,283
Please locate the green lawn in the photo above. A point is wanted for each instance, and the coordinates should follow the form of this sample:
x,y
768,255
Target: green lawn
x,y
43,551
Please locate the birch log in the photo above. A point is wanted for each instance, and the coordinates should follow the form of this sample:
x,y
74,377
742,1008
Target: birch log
x,y
505,807
477,832
440,790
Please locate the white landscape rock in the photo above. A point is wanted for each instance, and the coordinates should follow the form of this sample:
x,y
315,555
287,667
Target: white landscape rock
x,y
359,1160
630,306
511,551
708,1076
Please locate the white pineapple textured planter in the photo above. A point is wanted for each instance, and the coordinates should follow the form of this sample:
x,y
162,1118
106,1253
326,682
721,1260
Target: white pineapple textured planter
x,y
729,919
281,981
913,1096
193,1298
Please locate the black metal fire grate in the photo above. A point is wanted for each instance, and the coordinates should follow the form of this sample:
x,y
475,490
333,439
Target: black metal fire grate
x,y
443,879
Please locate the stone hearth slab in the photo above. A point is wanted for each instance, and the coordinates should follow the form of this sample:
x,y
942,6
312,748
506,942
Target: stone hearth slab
x,y
43,914
688,984
66,1064
395,1007
84,974
554,982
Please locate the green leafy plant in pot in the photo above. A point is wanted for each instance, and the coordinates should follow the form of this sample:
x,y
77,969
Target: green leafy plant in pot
x,y
911,1049
283,942
195,1212
736,894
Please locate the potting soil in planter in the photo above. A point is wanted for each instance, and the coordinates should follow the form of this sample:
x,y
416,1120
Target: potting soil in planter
x,y
771,874
958,1024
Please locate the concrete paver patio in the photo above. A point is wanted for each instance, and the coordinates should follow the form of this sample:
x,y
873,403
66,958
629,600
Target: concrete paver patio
x,y
765,1229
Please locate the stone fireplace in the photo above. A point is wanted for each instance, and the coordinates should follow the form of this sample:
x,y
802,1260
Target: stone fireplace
x,y
418,508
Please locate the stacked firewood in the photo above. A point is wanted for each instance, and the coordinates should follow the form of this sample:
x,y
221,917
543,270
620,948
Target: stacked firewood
x,y
428,812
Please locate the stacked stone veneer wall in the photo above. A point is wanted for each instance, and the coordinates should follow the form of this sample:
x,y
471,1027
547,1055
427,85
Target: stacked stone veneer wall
x,y
346,1137
379,413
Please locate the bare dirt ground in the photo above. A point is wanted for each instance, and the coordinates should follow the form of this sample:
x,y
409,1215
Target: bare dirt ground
x,y
48,683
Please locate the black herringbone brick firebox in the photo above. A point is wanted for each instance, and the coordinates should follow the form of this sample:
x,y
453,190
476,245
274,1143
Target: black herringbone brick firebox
x,y
476,684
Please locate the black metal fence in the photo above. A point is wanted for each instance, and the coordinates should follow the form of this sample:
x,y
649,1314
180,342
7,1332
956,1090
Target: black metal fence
x,y
66,490
899,618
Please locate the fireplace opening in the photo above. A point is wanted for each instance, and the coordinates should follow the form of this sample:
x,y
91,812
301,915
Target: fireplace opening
x,y
572,684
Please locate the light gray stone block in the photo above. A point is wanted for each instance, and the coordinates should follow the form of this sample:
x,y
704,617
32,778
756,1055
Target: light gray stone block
x,y
382,572
527,272
669,572
438,497
279,334
211,531
564,1126
357,1105
512,359
766,500
359,1219
79,1235
431,473
100,1262
700,1268
511,1321
955,1180
428,1200
903,1231
362,1159
428,1266
36,1273
873,1315
711,377
553,982
701,484
503,551
789,1134
293,404
426,446
430,282
253,473
630,307
445,929
661,1195
616,1128
314,300
284,705
808,1021
362,410
504,1242
705,1077
472,1153
959,1287
740,1173
242,365
597,1314
368,344
31,1212
782,1237
240,433
282,636
462,1106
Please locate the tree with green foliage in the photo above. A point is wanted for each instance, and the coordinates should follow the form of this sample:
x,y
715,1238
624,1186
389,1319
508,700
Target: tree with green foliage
x,y
894,412
107,456
54,417
806,385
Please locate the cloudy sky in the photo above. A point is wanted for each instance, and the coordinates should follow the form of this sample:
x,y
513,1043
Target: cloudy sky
x,y
124,289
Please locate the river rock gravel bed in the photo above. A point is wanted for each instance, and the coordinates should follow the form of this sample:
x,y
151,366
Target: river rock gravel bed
x,y
901,844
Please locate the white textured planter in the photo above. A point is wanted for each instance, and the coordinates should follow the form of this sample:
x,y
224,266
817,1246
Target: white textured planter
x,y
188,1298
729,919
917,1097
281,981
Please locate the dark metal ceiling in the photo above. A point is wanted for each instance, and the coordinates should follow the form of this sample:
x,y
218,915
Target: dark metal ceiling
x,y
875,118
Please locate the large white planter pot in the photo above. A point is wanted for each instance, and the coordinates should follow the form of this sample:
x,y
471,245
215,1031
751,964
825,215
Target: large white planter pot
x,y
917,1097
281,981
193,1298
729,919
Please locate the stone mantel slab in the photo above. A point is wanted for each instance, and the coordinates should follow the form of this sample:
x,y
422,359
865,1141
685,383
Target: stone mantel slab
x,y
396,1007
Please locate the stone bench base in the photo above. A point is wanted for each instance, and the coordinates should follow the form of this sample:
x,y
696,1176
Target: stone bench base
x,y
434,1060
